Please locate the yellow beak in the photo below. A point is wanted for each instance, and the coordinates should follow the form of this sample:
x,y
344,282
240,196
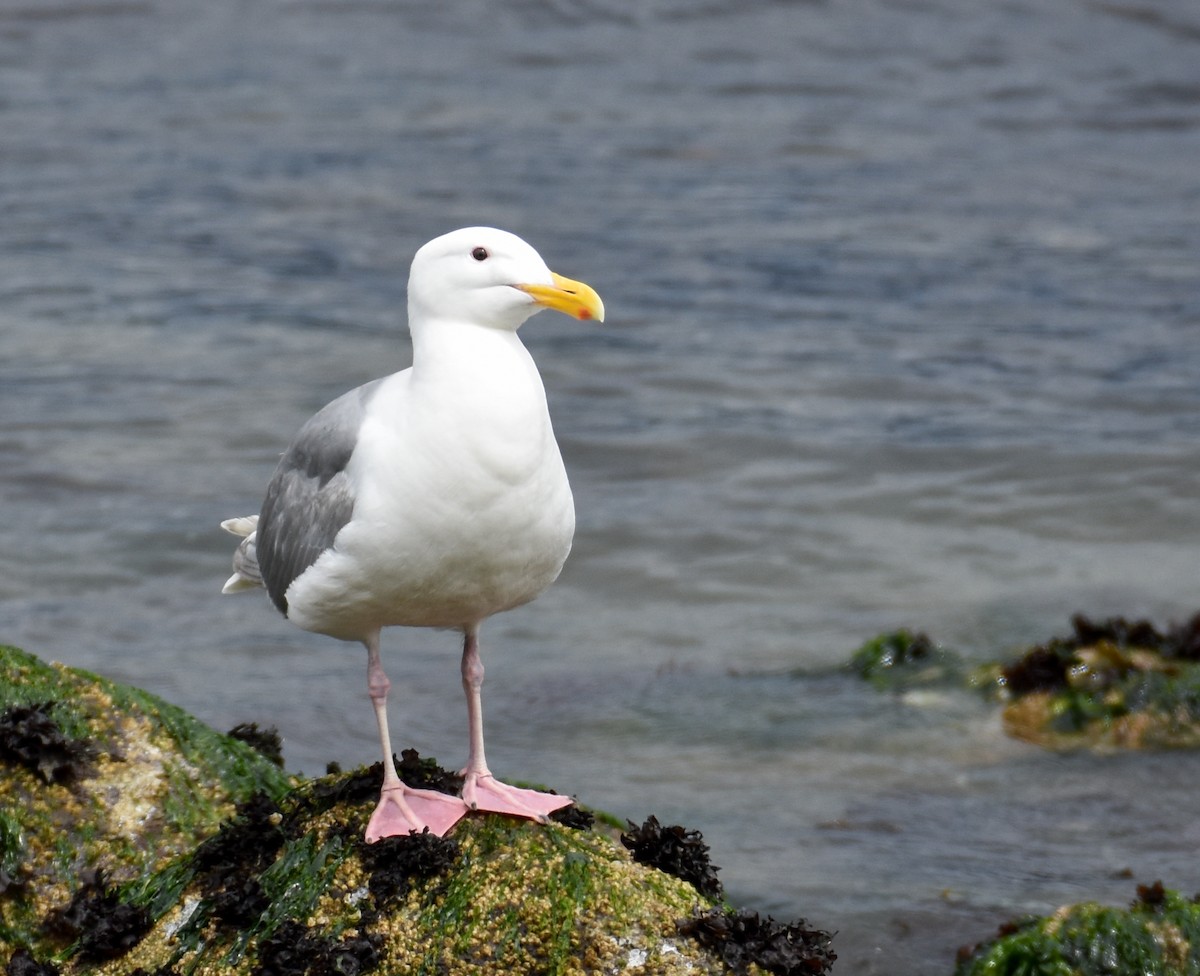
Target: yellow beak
x,y
573,297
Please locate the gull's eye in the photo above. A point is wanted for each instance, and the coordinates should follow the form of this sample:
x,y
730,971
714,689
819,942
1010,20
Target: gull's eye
x,y
480,254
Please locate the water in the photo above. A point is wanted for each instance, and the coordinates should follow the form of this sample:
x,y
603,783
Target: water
x,y
903,320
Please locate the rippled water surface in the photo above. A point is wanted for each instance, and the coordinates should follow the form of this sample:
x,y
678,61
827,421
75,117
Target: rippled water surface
x,y
904,329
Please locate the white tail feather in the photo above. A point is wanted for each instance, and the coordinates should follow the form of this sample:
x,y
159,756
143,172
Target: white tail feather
x,y
246,574
236,583
241,526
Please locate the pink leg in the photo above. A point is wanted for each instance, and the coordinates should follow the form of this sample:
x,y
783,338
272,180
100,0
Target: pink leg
x,y
401,809
481,790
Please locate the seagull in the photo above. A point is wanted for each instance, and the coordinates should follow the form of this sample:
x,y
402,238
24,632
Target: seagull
x,y
433,497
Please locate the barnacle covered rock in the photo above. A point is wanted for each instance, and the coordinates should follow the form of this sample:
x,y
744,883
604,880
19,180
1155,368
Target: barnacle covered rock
x,y
101,784
1158,935
1114,684
231,868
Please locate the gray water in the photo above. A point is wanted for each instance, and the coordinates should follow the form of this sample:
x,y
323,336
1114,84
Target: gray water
x,y
903,322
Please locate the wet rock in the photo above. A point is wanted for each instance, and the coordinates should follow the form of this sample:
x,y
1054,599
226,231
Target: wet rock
x,y
903,660
1110,684
500,896
102,783
1115,683
1158,935
272,877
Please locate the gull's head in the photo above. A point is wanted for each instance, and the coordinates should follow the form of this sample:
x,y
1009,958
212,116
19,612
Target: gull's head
x,y
492,278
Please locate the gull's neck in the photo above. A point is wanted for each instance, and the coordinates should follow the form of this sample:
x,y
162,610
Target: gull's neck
x,y
457,355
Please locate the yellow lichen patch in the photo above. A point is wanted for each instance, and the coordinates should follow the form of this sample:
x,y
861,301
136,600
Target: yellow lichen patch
x,y
154,951
1176,949
1133,731
51,856
1026,718
545,899
131,787
1032,718
1058,918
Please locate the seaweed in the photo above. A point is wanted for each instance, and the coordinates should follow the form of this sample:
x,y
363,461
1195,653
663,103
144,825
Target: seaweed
x,y
103,925
574,816
363,784
294,950
902,659
23,964
1185,639
266,742
13,875
247,843
1151,895
426,774
1115,682
1179,641
1158,935
1048,666
742,938
675,850
395,862
230,863
1042,668
30,737
337,788
892,650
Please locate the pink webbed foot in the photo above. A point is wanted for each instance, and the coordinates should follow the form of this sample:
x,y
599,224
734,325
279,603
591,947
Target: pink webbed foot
x,y
486,793
403,810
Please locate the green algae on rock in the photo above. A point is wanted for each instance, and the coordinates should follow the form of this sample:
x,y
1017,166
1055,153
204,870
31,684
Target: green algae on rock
x,y
1113,684
285,885
1116,684
289,888
101,783
904,661
1159,935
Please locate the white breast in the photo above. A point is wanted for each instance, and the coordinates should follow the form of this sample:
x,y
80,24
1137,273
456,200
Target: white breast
x,y
462,505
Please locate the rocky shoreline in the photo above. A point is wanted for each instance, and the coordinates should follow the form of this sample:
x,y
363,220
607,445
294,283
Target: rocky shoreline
x,y
138,841
135,840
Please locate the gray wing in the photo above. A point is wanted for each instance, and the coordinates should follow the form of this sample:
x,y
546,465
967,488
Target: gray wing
x,y
310,497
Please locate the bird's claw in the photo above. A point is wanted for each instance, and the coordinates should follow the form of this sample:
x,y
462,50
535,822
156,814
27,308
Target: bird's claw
x,y
487,794
402,810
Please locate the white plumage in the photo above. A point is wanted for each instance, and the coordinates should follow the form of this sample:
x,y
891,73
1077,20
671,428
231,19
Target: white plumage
x,y
434,497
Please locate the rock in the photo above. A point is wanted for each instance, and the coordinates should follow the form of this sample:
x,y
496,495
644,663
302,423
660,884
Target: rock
x,y
902,661
102,783
1113,684
270,877
1159,935
1116,684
